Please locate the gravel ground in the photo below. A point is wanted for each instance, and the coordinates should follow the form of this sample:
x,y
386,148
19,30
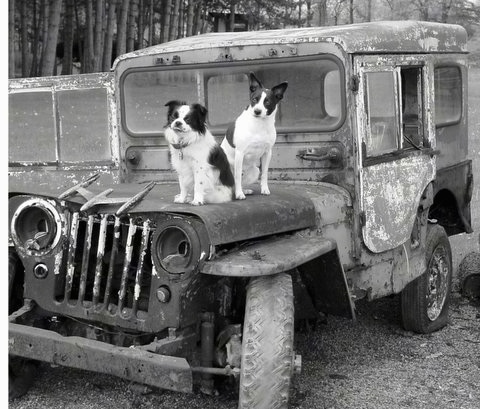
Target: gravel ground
x,y
370,363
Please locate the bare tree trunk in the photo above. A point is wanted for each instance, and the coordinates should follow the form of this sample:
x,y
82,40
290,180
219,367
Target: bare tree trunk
x,y
67,63
190,16
46,11
48,63
198,18
369,10
99,36
231,27
172,34
79,39
181,20
167,9
11,38
132,25
122,28
151,27
309,13
322,13
108,44
350,11
89,54
24,37
37,21
141,24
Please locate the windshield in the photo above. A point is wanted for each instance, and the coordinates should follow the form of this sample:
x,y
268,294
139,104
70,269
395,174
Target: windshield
x,y
314,100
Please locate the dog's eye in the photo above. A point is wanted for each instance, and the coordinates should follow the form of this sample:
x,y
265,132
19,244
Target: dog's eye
x,y
255,99
175,115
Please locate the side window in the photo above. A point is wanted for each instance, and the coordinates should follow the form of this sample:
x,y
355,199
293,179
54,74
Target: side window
x,y
412,107
84,125
448,95
31,118
382,135
394,110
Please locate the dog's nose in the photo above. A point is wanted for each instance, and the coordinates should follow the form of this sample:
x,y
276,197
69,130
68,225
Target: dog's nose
x,y
177,123
257,112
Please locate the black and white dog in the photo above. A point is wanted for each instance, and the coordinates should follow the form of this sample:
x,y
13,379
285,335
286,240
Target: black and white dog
x,y
251,138
204,173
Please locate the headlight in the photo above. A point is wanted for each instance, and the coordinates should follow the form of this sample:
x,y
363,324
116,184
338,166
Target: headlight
x,y
36,226
178,246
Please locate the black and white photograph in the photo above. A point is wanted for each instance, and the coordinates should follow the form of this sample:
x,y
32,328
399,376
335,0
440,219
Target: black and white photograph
x,y
252,204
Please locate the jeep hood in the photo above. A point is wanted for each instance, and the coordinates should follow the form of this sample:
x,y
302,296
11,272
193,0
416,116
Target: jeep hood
x,y
286,209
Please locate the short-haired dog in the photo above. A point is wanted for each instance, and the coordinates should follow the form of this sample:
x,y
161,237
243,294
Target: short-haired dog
x,y
251,137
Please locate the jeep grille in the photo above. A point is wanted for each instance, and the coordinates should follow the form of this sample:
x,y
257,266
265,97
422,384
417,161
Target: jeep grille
x,y
108,264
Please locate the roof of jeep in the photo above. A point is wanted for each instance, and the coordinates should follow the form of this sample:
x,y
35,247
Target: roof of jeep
x,y
374,37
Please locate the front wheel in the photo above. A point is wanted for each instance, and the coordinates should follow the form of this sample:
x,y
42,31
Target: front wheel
x,y
267,345
426,300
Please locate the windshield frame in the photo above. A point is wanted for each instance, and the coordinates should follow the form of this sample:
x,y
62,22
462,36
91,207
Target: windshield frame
x,y
250,64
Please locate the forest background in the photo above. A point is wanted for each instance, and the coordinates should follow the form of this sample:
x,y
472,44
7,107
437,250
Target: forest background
x,y
61,37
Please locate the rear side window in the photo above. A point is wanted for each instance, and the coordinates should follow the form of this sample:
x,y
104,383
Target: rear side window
x,y
448,95
31,123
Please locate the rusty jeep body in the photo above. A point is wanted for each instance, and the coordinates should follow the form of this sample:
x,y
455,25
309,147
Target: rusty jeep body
x,y
369,177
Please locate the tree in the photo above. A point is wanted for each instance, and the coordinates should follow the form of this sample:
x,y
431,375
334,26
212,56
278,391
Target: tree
x,y
67,63
11,38
49,56
108,42
122,27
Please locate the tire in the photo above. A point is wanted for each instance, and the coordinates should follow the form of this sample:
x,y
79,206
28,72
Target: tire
x,y
267,345
426,300
469,275
21,371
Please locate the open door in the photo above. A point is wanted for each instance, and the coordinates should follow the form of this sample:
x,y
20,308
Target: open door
x,y
396,155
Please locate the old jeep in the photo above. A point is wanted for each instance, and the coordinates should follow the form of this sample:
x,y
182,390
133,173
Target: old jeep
x,y
369,178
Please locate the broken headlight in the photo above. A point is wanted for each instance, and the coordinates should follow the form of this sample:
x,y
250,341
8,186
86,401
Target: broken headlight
x,y
179,245
36,226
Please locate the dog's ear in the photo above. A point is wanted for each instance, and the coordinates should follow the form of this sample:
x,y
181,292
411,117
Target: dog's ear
x,y
172,106
201,111
198,120
254,83
279,90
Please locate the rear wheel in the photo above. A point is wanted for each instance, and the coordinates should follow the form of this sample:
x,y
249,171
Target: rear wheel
x,y
267,345
469,275
21,372
426,300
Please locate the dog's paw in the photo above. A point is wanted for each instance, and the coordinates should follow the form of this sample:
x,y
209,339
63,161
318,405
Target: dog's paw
x,y
240,196
248,191
197,202
179,199
265,191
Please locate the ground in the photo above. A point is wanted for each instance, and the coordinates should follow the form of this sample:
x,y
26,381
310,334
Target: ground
x,y
371,363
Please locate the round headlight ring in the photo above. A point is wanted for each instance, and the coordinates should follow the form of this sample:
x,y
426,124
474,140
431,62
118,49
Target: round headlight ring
x,y
176,247
36,226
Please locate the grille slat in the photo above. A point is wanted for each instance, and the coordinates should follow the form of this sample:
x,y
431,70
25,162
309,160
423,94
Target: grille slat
x,y
108,264
102,236
87,246
139,274
113,257
71,255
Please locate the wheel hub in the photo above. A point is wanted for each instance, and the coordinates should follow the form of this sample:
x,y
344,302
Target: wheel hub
x,y
437,283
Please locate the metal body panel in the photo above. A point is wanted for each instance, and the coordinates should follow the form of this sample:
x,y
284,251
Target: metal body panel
x,y
84,134
133,364
375,37
271,256
391,194
286,209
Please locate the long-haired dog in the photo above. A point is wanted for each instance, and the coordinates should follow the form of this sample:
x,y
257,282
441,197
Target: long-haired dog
x,y
204,173
251,138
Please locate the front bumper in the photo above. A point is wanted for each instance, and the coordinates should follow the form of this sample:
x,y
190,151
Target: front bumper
x,y
133,364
